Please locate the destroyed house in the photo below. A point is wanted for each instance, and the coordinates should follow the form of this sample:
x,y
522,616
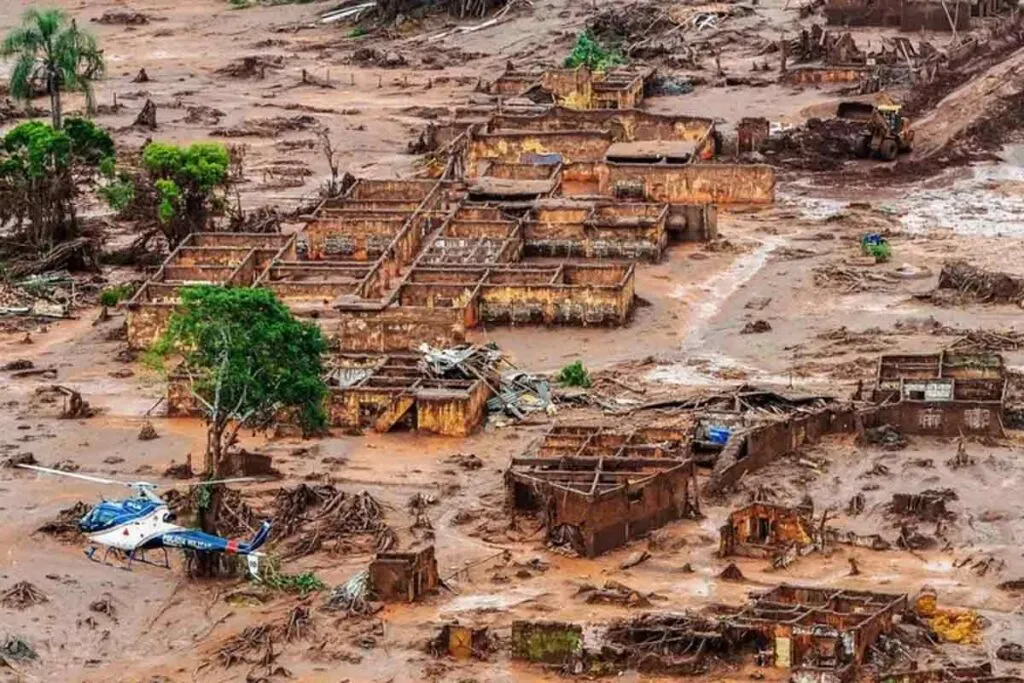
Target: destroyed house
x,y
580,87
946,393
211,258
910,15
981,673
598,489
823,634
760,529
404,576
386,390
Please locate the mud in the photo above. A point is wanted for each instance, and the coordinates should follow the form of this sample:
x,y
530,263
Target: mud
x,y
792,272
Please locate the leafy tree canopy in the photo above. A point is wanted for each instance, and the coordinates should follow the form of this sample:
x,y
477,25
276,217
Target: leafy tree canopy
x,y
247,358
590,53
50,51
35,149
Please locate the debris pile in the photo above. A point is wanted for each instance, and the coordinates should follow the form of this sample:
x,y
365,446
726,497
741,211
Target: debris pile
x,y
254,66
886,437
22,595
951,626
849,280
270,127
14,649
65,526
972,283
352,597
516,393
254,646
147,432
122,18
312,518
818,145
756,327
613,593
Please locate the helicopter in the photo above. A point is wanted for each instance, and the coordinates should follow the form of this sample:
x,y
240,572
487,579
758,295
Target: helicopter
x,y
144,522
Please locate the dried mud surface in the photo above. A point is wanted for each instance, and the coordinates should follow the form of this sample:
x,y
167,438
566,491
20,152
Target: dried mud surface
x,y
796,265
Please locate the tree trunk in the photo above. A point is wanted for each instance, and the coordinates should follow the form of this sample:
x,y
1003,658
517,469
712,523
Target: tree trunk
x,y
208,564
214,448
55,112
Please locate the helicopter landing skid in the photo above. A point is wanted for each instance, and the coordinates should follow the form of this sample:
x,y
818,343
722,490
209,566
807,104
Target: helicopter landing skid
x,y
138,556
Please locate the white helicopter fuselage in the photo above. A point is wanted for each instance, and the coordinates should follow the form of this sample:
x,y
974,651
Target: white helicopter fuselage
x,y
135,533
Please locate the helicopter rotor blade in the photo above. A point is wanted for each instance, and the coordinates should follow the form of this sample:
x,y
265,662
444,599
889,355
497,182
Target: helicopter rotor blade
x,y
233,480
75,475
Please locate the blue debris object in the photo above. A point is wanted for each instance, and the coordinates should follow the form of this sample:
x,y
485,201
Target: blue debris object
x,y
719,435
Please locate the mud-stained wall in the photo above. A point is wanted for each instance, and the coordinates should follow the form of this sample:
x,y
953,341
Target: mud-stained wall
x,y
324,291
146,322
517,148
611,231
391,190
361,237
565,82
352,407
404,576
451,413
752,450
906,15
947,418
246,240
626,125
692,183
630,512
555,304
196,273
808,75
396,329
210,256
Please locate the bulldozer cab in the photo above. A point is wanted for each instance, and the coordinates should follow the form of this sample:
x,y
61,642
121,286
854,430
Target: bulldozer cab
x,y
891,113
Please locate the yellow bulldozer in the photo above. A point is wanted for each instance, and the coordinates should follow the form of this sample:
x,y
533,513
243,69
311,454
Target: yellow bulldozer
x,y
887,133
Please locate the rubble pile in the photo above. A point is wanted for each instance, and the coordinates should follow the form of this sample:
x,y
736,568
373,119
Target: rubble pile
x,y
65,527
254,66
22,595
971,283
818,145
311,519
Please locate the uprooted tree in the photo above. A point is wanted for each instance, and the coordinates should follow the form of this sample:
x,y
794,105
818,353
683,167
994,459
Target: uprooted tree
x,y
248,361
181,189
42,172
52,54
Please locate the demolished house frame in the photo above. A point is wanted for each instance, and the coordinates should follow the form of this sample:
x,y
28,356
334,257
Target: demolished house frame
x,y
946,393
597,489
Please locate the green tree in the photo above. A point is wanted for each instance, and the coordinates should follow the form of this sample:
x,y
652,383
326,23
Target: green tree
x,y
247,358
181,188
41,173
52,52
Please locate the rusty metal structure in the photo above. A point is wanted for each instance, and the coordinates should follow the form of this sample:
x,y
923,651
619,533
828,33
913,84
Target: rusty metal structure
x,y
946,393
404,576
596,488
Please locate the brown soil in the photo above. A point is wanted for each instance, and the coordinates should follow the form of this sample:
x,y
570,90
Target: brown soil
x,y
792,272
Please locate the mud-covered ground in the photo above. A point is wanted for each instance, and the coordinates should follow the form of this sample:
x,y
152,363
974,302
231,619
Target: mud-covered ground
x,y
796,265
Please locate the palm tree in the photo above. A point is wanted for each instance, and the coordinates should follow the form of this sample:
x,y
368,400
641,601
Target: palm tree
x,y
50,50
